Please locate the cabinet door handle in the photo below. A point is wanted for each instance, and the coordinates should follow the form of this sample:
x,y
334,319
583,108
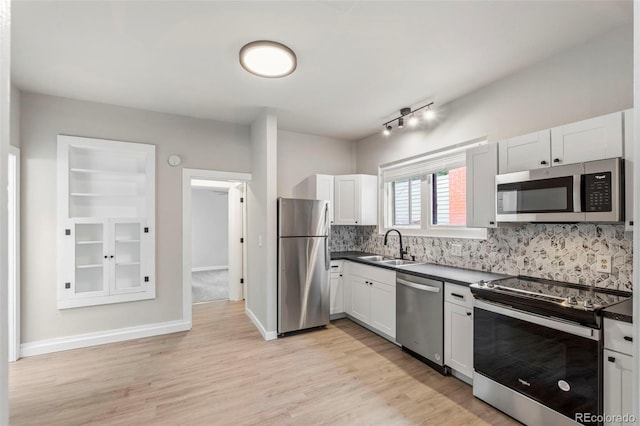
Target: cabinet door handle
x,y
556,160
491,222
457,295
628,338
340,274
611,359
106,256
111,257
468,314
543,162
334,266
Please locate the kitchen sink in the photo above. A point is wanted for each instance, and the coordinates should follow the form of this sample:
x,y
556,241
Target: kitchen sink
x,y
372,258
398,262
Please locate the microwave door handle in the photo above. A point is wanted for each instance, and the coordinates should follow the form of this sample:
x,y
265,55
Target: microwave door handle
x,y
578,188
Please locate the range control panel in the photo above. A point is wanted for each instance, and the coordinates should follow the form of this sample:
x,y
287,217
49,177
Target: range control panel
x,y
597,191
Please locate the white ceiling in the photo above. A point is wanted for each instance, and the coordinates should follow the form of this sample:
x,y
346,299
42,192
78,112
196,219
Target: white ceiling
x,y
359,62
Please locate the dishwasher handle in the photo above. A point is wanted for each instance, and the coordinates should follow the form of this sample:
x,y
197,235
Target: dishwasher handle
x,y
418,286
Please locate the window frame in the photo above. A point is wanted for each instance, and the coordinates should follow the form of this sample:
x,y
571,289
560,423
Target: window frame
x,y
426,228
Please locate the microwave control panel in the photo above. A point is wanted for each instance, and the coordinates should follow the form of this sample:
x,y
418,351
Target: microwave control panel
x,y
597,191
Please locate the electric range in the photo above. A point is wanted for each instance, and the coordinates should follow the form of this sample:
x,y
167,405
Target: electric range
x,y
573,302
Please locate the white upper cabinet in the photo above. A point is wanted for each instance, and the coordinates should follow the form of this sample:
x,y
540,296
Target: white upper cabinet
x,y
356,200
593,139
318,187
587,140
482,166
527,152
628,168
106,221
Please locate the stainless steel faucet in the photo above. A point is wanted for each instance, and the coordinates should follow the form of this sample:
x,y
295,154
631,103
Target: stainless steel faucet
x,y
402,252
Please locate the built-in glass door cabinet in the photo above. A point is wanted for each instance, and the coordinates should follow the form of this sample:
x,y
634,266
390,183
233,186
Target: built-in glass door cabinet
x,y
587,140
106,221
482,167
356,200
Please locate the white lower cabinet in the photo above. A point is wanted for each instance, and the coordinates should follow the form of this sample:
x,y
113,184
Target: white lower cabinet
x,y
371,297
458,329
617,370
336,291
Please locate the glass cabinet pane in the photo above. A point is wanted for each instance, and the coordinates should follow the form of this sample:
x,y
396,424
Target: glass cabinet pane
x,y
89,258
127,252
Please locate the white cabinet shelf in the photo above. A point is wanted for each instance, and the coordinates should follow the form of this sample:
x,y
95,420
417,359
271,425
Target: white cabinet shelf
x,y
596,138
371,298
356,200
618,368
106,217
458,329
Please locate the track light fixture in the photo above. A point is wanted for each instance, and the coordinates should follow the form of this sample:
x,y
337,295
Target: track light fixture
x,y
413,120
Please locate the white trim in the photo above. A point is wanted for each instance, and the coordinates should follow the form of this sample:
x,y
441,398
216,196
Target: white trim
x,y
266,335
103,337
209,268
14,287
187,176
5,108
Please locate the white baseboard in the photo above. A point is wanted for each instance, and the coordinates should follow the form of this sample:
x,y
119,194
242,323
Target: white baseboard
x,y
266,335
102,337
209,268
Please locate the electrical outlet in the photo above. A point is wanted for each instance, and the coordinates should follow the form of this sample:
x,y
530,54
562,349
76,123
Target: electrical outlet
x,y
603,264
456,250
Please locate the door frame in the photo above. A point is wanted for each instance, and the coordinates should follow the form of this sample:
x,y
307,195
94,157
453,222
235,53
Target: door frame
x,y
187,176
13,239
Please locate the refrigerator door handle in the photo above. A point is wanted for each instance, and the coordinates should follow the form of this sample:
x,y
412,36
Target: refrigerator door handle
x,y
327,255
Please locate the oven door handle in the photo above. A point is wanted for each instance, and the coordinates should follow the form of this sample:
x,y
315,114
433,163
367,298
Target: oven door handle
x,y
555,324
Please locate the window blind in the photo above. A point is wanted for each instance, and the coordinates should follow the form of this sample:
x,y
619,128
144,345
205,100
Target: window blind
x,y
423,166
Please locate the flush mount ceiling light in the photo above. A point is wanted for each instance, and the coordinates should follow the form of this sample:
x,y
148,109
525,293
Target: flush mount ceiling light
x,y
413,120
269,59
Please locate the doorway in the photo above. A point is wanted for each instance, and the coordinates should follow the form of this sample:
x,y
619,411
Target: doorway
x,y
210,235
13,252
214,223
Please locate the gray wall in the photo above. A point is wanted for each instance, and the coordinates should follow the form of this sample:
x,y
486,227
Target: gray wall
x,y
301,155
203,144
15,117
591,79
209,227
261,226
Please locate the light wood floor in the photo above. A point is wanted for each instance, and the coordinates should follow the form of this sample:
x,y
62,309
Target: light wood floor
x,y
222,372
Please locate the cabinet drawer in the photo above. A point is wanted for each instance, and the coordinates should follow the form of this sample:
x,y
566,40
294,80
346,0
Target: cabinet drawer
x,y
336,266
458,294
382,275
617,336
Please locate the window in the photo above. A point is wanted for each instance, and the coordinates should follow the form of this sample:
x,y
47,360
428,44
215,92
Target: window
x,y
428,196
407,201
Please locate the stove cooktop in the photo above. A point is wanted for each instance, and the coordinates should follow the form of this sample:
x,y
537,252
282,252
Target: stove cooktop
x,y
570,301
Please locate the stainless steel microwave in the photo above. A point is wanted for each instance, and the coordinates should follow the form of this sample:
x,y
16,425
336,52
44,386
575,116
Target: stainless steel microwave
x,y
592,191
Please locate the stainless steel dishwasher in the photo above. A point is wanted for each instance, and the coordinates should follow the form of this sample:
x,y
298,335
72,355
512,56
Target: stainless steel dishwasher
x,y
420,318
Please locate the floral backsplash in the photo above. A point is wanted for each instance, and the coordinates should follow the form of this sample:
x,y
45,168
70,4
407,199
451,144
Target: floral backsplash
x,y
552,251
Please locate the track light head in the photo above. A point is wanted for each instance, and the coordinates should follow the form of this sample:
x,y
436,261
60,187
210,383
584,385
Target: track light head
x,y
413,121
400,123
387,130
429,114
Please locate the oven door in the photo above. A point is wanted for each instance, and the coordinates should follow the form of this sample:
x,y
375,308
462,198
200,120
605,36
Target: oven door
x,y
540,195
553,362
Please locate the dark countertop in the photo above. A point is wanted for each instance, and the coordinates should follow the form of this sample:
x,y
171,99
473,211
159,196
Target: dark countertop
x,y
621,312
449,274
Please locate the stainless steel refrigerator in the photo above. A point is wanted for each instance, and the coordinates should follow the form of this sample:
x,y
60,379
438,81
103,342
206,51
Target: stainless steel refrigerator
x,y
303,264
